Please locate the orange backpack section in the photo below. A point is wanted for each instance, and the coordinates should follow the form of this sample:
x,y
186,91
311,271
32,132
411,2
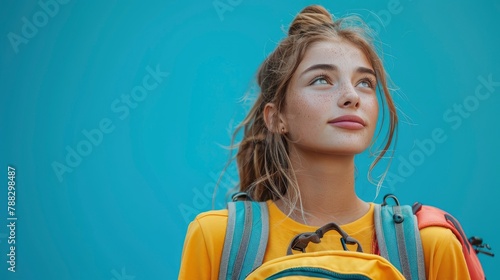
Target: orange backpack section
x,y
428,216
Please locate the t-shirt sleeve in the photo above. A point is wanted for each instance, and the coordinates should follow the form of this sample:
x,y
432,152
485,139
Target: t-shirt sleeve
x,y
444,258
203,247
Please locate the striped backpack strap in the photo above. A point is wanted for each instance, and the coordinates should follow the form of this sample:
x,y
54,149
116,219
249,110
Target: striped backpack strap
x,y
246,239
398,238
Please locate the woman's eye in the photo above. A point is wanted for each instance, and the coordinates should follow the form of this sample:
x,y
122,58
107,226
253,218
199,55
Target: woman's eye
x,y
366,84
320,81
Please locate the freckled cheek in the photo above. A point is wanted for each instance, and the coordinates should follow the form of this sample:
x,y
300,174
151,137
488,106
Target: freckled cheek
x,y
307,113
371,109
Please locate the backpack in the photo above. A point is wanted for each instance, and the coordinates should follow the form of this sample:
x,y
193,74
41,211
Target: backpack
x,y
398,243
431,216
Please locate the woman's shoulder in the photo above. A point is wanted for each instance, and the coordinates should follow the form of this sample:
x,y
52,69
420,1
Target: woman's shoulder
x,y
212,215
210,223
439,237
203,245
444,258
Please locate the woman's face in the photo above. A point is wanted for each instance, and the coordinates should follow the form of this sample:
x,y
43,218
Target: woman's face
x,y
331,103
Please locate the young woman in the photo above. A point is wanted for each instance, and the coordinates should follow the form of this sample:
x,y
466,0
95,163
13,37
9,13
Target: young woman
x,y
317,109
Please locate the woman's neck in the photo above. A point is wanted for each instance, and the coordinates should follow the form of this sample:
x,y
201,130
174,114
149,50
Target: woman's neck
x,y
326,185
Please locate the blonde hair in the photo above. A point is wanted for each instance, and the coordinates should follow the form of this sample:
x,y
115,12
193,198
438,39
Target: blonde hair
x,y
263,163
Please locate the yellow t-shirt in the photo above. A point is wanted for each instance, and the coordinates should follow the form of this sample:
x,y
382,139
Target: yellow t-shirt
x,y
205,239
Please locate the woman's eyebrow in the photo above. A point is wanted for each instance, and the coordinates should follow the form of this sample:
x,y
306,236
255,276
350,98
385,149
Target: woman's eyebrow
x,y
364,70
328,67
332,67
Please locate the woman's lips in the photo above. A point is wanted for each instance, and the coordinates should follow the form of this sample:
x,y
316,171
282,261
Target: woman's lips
x,y
348,122
348,125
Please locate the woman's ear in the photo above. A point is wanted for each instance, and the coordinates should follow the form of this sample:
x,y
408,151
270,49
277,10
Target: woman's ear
x,y
273,119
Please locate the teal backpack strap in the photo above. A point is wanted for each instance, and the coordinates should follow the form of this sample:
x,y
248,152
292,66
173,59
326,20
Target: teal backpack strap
x,y
246,239
398,238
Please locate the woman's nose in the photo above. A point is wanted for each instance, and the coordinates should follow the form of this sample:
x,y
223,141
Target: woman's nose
x,y
348,97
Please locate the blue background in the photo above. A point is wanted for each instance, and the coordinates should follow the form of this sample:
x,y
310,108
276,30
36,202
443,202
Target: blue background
x,y
121,211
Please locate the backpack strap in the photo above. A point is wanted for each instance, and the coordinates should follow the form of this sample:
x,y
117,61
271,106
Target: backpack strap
x,y
398,238
431,216
246,239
